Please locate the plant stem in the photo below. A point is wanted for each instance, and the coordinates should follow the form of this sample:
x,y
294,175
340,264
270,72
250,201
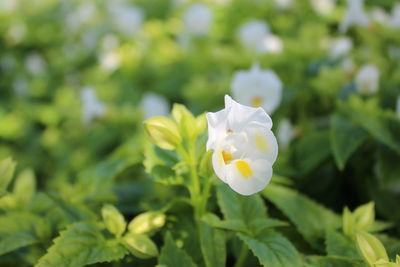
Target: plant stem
x,y
242,256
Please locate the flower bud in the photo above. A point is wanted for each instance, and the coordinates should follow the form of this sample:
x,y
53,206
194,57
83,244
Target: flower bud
x,y
370,248
114,220
146,222
163,132
140,246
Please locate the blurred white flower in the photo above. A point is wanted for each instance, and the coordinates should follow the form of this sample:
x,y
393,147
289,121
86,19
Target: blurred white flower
x,y
355,15
110,61
154,105
348,65
35,64
367,79
83,14
20,86
323,7
127,18
286,133
394,21
253,33
340,47
257,88
284,4
8,6
109,42
198,19
379,15
273,44
17,32
244,146
398,106
92,107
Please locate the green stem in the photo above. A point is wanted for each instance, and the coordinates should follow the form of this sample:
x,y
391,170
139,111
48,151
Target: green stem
x,y
242,256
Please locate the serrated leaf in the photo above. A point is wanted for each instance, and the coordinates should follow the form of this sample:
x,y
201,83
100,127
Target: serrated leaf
x,y
82,244
272,249
21,229
310,218
247,209
172,256
345,138
338,244
212,243
7,167
331,261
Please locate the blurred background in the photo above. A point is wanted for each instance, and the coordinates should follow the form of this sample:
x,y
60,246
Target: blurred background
x,y
77,79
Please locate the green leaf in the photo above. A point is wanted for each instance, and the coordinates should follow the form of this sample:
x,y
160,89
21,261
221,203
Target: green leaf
x,y
7,167
311,219
172,256
345,138
307,154
114,220
247,210
212,242
338,244
272,249
82,244
384,126
21,229
331,261
25,187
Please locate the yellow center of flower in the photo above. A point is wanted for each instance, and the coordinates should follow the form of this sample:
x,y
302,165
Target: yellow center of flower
x,y
261,143
256,101
226,156
244,168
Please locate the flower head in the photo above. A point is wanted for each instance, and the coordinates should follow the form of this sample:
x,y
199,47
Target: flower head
x,y
127,18
244,146
367,79
286,133
197,19
257,88
252,35
323,7
340,47
394,21
355,15
92,107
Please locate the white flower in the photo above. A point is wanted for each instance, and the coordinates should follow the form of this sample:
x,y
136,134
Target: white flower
x,y
284,4
340,47
355,15
273,44
244,146
92,107
110,61
323,7
398,106
252,35
127,18
394,21
154,105
367,79
197,19
379,15
348,65
257,88
286,133
35,64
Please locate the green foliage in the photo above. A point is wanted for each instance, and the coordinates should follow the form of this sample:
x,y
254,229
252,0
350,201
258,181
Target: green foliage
x,y
171,255
7,167
272,249
310,218
82,244
212,243
140,246
114,220
21,229
345,139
